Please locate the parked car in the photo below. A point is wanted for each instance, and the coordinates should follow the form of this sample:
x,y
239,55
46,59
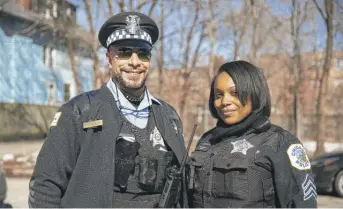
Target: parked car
x,y
328,172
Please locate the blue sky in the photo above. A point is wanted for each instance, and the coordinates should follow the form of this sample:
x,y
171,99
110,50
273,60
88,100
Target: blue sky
x,y
278,8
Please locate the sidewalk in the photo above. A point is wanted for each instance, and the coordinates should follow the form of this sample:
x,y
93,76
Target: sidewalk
x,y
18,192
18,188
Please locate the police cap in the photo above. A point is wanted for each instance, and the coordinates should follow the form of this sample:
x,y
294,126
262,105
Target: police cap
x,y
130,29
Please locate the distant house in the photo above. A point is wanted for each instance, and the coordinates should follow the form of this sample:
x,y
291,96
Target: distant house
x,y
34,60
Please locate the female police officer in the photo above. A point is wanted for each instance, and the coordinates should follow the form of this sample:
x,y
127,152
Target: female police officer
x,y
245,161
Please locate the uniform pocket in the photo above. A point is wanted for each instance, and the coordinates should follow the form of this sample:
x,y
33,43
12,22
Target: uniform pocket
x,y
196,163
230,178
268,192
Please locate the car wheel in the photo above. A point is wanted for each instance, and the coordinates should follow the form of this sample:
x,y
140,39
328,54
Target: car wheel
x,y
339,184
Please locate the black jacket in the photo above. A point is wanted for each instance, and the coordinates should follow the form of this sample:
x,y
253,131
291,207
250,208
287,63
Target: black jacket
x,y
75,167
3,185
266,168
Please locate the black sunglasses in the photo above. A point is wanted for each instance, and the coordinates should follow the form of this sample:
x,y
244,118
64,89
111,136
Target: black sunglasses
x,y
125,53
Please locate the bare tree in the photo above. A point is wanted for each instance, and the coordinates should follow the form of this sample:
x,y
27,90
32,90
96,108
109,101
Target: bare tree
x,y
297,20
121,5
239,30
327,16
186,69
71,44
253,51
110,8
160,58
71,55
260,31
212,38
94,47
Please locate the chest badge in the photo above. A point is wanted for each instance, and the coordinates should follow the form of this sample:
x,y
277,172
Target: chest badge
x,y
241,146
157,140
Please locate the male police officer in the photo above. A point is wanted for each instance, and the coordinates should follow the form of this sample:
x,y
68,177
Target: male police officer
x,y
111,147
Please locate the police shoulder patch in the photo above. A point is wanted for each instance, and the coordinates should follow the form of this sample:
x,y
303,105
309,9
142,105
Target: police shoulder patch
x,y
298,157
56,118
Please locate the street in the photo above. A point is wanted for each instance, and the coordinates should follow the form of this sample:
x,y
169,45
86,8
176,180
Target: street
x,y
18,195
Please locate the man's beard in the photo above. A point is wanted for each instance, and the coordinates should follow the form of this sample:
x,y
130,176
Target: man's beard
x,y
130,84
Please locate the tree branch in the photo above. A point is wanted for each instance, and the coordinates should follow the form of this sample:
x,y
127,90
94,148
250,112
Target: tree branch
x,y
152,7
320,10
110,8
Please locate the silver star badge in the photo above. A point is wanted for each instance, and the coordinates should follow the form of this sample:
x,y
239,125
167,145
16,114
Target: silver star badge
x,y
241,146
157,140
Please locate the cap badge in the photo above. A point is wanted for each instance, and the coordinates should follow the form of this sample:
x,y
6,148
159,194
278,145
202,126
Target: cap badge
x,y
132,24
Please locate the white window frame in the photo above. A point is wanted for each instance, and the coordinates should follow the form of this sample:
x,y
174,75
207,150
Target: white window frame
x,y
49,57
68,11
54,10
51,88
47,13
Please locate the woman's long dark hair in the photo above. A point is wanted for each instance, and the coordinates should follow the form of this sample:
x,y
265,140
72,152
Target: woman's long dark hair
x,y
249,81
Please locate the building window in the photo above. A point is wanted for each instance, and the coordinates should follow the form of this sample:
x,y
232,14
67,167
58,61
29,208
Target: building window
x,y
49,57
315,83
338,64
47,13
200,113
275,110
66,92
51,87
318,63
68,11
54,10
34,5
195,88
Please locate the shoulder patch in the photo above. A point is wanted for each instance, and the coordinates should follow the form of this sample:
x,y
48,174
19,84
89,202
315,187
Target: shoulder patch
x,y
56,118
298,157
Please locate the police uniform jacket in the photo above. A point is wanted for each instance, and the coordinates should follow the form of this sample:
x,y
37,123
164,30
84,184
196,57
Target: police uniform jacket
x,y
262,166
3,185
75,167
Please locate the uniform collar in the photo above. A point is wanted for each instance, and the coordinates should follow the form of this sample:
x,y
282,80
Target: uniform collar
x,y
119,97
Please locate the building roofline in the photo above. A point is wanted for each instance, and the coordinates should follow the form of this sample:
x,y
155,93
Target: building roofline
x,y
11,8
